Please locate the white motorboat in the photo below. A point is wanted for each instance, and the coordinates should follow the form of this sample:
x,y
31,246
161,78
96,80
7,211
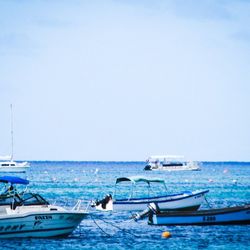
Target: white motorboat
x,y
187,200
6,162
30,215
170,163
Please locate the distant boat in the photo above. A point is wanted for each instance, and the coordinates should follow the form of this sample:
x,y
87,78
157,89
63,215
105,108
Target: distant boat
x,y
170,163
187,200
7,164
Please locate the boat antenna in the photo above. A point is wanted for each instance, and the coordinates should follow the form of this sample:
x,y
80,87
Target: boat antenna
x,y
12,140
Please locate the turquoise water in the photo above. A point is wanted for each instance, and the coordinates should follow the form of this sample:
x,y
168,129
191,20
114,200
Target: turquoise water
x,y
66,182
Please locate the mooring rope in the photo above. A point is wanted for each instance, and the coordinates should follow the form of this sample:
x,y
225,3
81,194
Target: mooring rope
x,y
109,235
207,202
111,224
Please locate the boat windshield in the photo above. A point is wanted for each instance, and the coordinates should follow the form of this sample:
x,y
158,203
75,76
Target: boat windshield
x,y
33,199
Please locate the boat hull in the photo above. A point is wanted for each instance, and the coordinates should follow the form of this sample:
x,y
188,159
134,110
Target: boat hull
x,y
223,216
184,201
16,168
13,169
45,224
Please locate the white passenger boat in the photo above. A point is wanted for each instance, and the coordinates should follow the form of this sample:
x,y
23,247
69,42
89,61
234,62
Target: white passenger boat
x,y
222,216
187,200
170,163
30,215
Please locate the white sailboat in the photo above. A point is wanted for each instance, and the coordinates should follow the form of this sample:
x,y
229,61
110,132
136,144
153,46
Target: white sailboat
x,y
7,164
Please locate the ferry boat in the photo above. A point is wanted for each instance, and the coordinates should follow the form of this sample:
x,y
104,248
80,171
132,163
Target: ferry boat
x,y
170,163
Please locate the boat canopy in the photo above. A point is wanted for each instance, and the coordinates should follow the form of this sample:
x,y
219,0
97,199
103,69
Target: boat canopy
x,y
13,180
136,179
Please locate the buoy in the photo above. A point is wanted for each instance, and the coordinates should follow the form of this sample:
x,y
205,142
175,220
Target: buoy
x,y
166,234
53,179
234,181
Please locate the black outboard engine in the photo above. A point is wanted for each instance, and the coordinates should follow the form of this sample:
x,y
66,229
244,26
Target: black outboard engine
x,y
147,167
152,208
103,202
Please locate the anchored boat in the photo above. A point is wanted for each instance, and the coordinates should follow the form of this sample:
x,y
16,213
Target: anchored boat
x,y
187,200
222,216
7,164
24,214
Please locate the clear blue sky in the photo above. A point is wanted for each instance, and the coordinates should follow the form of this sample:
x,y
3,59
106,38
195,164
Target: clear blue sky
x,y
121,80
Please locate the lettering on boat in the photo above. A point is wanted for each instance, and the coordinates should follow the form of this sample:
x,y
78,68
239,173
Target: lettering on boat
x,y
12,227
198,196
209,218
43,217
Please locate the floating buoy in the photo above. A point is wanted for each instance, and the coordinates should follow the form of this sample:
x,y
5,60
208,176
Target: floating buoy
x,y
225,171
53,179
234,181
166,234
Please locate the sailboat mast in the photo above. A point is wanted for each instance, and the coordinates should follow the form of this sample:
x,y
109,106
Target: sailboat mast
x,y
12,140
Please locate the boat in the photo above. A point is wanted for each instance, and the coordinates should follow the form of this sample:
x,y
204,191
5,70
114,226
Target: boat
x,y
11,166
221,216
187,200
7,164
25,214
170,163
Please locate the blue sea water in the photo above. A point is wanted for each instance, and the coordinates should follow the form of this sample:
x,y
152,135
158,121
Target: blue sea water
x,y
66,182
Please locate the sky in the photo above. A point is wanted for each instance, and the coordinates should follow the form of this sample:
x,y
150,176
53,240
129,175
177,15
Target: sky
x,y
123,80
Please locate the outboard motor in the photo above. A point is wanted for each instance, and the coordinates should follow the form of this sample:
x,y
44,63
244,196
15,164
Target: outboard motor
x,y
147,167
104,204
152,208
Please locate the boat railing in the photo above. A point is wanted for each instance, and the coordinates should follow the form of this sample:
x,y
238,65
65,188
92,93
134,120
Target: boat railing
x,y
77,206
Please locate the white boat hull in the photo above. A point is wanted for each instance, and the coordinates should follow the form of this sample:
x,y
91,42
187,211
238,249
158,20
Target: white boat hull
x,y
186,201
16,168
176,168
43,224
234,215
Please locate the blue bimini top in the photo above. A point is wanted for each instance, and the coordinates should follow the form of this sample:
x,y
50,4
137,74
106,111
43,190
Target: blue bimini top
x,y
13,180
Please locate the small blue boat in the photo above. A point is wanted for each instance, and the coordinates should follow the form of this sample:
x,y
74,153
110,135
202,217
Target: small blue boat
x,y
222,216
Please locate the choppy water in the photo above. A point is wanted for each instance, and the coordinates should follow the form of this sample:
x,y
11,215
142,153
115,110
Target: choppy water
x,y
66,182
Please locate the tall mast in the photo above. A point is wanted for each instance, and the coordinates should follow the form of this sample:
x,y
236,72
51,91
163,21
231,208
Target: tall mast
x,y
12,140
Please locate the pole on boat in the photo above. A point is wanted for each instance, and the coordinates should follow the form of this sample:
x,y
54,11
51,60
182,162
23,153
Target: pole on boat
x,y
12,140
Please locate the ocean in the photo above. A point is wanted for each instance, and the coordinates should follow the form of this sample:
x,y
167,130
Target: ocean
x,y
64,183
